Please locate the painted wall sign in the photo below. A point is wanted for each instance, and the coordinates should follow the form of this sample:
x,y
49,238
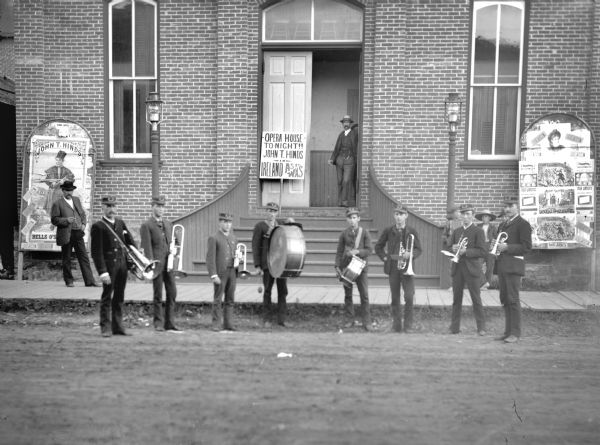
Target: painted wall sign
x,y
556,182
282,155
57,151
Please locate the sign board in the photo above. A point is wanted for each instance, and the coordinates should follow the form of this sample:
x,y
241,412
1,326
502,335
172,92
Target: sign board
x,y
282,155
56,151
556,182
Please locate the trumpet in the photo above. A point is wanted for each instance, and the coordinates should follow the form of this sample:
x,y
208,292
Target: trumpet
x,y
241,256
502,237
175,259
462,242
409,267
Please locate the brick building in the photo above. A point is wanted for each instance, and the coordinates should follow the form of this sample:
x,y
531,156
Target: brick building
x,y
230,69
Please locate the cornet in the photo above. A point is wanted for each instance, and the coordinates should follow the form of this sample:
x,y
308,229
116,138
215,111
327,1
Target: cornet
x,y
241,256
141,267
175,259
502,237
462,242
409,268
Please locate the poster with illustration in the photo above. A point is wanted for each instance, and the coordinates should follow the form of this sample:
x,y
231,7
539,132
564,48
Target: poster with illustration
x,y
57,151
556,181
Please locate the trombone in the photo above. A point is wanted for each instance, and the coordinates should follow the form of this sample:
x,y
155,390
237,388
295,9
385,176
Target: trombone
x,y
241,256
175,259
501,238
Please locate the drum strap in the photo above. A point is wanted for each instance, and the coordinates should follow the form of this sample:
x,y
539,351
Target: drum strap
x,y
357,240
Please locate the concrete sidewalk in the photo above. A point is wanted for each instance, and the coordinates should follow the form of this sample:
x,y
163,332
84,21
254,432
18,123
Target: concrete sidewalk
x,y
247,292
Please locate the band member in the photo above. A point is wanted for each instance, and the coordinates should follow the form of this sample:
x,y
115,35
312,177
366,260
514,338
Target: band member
x,y
344,158
393,248
68,216
471,252
110,258
260,249
55,177
491,232
354,241
156,238
511,267
220,263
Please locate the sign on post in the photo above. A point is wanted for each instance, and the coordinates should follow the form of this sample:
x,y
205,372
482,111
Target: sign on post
x,y
282,155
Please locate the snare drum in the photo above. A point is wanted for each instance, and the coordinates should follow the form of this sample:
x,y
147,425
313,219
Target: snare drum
x,y
287,251
354,269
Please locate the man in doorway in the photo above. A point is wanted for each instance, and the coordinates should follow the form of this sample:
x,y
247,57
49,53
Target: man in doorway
x,y
68,216
260,250
344,158
511,267
156,238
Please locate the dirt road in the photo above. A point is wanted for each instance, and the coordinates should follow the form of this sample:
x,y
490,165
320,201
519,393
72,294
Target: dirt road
x,y
61,383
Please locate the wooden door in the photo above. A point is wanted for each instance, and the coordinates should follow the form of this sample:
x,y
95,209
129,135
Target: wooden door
x,y
287,107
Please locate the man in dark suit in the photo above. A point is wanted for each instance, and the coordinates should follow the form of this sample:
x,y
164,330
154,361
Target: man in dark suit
x,y
109,238
344,158
156,234
511,267
260,250
490,232
220,259
468,270
68,216
394,247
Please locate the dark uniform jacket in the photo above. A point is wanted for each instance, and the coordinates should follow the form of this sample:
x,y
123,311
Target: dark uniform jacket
x,y
260,242
106,249
519,244
220,253
346,244
392,237
353,144
61,210
476,251
156,241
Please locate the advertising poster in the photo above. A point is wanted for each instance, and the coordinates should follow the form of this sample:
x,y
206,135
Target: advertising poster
x,y
556,182
57,151
282,155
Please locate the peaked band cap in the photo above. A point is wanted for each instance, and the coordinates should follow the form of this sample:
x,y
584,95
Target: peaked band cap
x,y
159,200
511,199
400,208
352,211
272,206
68,185
109,200
225,217
466,208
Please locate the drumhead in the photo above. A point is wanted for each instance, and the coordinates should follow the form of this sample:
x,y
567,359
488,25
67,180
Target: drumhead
x,y
286,251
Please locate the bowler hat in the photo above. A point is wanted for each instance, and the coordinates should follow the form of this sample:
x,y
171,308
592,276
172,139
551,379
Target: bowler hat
x,y
466,208
272,206
225,217
347,117
159,200
511,199
400,208
68,185
487,212
352,211
61,154
109,200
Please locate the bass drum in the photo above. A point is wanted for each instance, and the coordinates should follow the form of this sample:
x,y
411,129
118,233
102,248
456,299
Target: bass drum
x,y
287,251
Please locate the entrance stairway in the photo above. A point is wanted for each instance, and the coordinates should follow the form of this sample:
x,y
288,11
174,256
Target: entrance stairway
x,y
321,236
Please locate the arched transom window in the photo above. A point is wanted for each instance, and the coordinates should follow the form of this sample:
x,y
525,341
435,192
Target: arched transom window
x,y
313,20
